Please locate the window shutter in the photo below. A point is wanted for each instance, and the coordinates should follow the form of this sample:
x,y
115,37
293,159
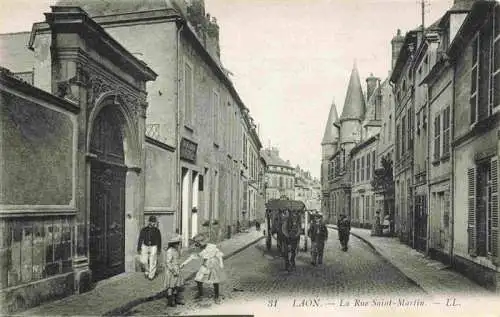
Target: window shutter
x,y
471,226
494,209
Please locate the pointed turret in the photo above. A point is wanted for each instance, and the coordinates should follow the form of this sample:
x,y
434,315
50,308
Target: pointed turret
x,y
354,105
331,134
353,113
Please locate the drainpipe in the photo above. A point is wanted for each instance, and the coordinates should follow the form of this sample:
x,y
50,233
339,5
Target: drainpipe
x,y
452,158
428,170
177,125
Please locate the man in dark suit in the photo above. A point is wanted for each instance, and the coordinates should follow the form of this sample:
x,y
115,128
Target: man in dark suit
x,y
148,247
344,227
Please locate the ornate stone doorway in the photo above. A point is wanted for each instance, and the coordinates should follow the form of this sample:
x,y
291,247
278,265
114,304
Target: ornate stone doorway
x,y
107,195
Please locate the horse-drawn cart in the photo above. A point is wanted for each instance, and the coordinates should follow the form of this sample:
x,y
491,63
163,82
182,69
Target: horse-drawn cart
x,y
286,221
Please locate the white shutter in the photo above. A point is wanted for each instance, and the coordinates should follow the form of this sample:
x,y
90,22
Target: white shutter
x,y
494,209
471,226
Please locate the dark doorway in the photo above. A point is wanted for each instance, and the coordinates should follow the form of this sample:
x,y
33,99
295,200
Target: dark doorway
x,y
107,196
420,223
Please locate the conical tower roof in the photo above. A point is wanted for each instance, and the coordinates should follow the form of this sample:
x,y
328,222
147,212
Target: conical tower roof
x,y
354,105
331,134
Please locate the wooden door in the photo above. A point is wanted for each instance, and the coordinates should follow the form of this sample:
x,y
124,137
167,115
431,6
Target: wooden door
x,y
107,197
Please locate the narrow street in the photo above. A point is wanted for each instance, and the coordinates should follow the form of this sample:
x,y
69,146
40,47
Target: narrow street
x,y
257,277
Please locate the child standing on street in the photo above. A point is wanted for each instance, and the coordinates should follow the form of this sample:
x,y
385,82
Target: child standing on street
x,y
173,275
212,267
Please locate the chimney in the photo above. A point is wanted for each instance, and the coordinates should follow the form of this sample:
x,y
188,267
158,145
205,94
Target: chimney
x,y
371,85
396,44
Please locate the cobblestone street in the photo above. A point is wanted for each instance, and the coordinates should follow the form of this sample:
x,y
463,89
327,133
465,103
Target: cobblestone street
x,y
257,276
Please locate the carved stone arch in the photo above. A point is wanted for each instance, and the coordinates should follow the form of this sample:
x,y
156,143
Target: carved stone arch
x,y
131,144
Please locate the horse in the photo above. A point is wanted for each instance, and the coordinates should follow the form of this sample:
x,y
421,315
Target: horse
x,y
289,237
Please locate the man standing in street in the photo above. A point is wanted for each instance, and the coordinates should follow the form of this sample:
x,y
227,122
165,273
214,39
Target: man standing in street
x,y
344,227
318,234
148,247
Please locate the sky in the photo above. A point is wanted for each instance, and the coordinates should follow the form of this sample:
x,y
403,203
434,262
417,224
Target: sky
x,y
291,59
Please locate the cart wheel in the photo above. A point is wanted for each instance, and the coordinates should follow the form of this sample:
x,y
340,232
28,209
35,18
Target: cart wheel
x,y
268,243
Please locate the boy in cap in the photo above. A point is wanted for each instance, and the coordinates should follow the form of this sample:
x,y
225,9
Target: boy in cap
x,y
173,275
148,247
212,267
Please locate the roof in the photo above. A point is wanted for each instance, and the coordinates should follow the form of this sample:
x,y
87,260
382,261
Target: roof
x,y
363,144
471,23
110,7
354,105
270,158
331,133
74,18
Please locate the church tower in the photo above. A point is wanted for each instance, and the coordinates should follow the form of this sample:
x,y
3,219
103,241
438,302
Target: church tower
x,y
352,113
329,144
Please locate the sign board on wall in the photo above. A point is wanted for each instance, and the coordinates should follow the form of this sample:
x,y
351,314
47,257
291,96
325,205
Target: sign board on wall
x,y
188,150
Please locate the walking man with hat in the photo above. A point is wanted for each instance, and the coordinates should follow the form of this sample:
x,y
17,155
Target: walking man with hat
x,y
318,232
148,247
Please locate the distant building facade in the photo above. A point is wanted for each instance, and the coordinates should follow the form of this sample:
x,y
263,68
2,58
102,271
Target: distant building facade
x,y
279,176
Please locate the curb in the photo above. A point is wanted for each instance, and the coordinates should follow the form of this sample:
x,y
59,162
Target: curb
x,y
412,281
122,310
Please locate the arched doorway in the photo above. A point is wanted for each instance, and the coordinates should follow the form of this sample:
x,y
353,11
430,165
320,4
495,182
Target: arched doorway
x,y
107,194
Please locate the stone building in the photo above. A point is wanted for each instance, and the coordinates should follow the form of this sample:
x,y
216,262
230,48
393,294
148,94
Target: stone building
x,y
438,81
475,144
346,179
185,158
194,108
329,146
73,164
306,189
403,78
362,195
279,175
424,59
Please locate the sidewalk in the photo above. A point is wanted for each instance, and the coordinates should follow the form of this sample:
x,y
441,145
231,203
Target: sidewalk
x,y
432,276
111,296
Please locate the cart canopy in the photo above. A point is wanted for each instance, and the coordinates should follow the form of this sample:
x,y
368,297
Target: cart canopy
x,y
282,204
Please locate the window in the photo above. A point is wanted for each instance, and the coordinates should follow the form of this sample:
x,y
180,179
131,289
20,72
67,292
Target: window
x,y
368,166
398,141
495,85
403,135
418,124
373,163
483,208
362,168
437,137
357,170
215,115
446,131
188,94
474,103
410,132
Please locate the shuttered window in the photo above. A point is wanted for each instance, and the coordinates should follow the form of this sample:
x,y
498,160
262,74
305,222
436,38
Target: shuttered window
x,y
437,137
493,211
446,131
471,210
474,103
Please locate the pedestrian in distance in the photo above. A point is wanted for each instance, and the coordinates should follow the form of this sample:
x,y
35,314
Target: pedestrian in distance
x,y
344,228
148,246
318,232
173,275
212,268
